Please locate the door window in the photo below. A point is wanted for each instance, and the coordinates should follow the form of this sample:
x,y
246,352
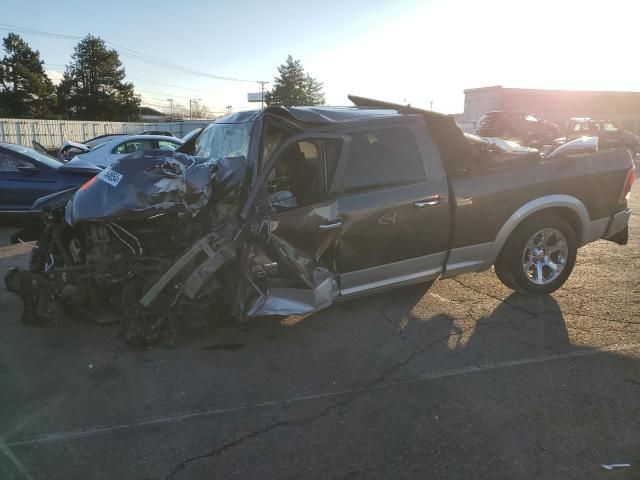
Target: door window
x,y
167,145
299,176
133,146
8,163
380,158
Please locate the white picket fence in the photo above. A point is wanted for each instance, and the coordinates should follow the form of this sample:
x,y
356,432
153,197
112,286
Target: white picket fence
x,y
52,133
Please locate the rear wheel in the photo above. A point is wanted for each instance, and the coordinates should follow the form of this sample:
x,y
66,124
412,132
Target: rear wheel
x,y
539,256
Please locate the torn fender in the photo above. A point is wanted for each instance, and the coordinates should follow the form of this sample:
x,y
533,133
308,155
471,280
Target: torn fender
x,y
295,301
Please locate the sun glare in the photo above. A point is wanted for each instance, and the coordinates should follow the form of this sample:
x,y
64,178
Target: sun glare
x,y
438,50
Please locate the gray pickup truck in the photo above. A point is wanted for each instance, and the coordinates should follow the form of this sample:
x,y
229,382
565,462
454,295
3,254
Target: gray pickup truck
x,y
287,210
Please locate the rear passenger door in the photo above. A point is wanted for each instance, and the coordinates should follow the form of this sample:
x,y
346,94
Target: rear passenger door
x,y
394,209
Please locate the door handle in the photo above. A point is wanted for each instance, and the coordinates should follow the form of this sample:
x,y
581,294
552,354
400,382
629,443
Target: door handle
x,y
330,226
428,202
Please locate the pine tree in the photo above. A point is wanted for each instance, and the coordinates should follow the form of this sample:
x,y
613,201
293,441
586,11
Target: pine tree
x,y
315,96
295,87
93,87
25,89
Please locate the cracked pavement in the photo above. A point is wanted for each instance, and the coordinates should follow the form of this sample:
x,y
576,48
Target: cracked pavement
x,y
461,380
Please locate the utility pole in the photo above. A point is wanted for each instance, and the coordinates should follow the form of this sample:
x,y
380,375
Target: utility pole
x,y
170,100
193,100
262,84
139,97
431,105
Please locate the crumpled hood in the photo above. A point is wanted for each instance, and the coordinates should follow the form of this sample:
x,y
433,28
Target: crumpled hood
x,y
79,146
149,183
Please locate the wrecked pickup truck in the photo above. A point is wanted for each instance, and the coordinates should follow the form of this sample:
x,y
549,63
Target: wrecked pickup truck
x,y
287,210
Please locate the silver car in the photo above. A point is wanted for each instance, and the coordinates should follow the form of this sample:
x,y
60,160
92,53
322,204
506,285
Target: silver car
x,y
114,149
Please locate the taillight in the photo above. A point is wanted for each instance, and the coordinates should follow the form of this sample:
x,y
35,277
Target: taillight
x,y
628,182
88,183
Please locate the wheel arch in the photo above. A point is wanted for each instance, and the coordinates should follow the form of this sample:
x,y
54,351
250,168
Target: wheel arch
x,y
569,208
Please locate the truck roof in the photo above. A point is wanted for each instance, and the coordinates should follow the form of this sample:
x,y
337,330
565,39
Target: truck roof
x,y
455,150
315,115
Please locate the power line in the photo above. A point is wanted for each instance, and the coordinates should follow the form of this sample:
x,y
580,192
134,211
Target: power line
x,y
137,79
153,101
149,92
171,66
166,84
4,26
130,53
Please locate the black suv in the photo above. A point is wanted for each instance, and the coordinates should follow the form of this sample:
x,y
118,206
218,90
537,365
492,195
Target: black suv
x,y
523,127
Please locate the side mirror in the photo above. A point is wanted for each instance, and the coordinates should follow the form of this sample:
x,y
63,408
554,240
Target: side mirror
x,y
28,169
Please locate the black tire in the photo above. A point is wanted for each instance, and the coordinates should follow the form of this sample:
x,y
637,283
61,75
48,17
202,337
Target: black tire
x,y
509,266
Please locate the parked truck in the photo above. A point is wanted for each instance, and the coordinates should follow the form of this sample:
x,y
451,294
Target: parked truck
x,y
287,210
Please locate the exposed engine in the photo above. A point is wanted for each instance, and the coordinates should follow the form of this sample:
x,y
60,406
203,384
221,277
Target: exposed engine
x,y
107,262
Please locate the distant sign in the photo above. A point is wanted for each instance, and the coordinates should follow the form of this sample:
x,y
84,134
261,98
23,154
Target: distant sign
x,y
255,97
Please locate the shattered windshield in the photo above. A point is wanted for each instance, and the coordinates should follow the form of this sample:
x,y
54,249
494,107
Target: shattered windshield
x,y
221,140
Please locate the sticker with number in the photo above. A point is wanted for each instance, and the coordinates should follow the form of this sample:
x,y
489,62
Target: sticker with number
x,y
110,176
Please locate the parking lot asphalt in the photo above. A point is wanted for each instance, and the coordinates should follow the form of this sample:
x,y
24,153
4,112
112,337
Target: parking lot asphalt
x,y
462,380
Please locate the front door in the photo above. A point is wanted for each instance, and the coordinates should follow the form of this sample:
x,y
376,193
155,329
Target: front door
x,y
291,263
394,209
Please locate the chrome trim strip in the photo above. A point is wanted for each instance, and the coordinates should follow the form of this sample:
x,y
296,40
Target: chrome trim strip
x,y
467,259
423,268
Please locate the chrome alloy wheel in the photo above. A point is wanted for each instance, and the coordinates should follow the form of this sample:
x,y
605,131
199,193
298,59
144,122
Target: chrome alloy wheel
x,y
545,256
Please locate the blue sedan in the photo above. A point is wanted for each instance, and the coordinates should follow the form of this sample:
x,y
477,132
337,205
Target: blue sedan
x,y
26,175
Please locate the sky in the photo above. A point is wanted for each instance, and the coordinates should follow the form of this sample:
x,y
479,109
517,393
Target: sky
x,y
404,51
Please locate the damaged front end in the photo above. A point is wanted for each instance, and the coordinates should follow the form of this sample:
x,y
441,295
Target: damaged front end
x,y
157,238
140,241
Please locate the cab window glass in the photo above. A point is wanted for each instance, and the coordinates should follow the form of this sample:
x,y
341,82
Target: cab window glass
x,y
609,127
167,145
380,158
530,118
299,176
133,146
332,149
